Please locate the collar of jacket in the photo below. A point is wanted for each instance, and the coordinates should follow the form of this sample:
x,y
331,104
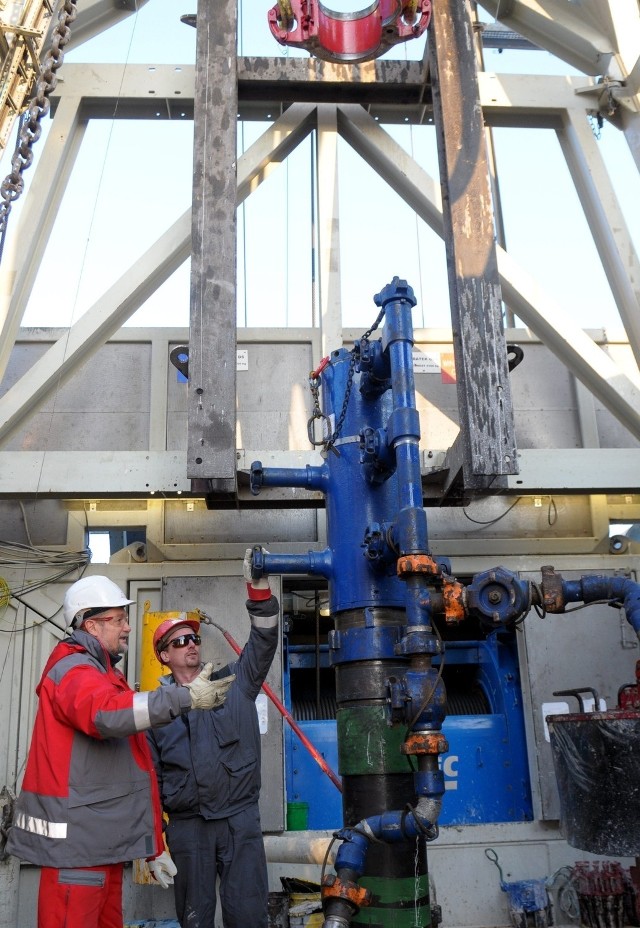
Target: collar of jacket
x,y
167,678
91,644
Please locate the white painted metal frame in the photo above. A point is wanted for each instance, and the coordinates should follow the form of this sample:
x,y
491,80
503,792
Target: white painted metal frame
x,y
563,103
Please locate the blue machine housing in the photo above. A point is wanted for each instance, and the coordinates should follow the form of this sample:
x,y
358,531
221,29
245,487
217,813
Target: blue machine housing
x,y
486,769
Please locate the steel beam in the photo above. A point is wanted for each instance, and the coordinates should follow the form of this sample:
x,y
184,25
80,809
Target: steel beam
x,y
606,220
545,316
99,322
113,309
123,474
211,408
330,309
557,27
27,241
95,16
487,429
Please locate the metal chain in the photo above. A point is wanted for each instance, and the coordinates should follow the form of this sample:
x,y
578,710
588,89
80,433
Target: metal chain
x,y
317,414
314,386
39,106
330,446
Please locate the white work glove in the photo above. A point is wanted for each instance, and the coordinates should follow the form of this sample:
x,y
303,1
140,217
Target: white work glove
x,y
256,589
163,869
206,693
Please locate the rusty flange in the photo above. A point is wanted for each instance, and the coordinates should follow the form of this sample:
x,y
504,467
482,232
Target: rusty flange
x,y
553,597
433,742
453,595
417,564
333,886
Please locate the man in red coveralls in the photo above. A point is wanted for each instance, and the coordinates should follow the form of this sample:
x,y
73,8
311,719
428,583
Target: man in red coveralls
x,y
89,799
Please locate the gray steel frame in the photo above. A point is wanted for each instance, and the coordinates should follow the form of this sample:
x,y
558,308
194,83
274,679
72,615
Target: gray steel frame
x,y
399,91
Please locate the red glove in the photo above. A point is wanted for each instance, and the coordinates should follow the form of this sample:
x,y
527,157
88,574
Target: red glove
x,y
256,589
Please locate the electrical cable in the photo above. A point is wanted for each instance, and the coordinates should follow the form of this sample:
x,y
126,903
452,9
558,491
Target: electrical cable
x,y
497,518
430,694
25,558
595,602
567,895
26,524
539,606
46,618
326,856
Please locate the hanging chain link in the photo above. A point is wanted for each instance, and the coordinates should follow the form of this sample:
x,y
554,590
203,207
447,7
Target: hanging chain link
x,y
39,106
327,440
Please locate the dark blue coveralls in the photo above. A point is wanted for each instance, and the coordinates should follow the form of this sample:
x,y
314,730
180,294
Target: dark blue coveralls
x,y
208,767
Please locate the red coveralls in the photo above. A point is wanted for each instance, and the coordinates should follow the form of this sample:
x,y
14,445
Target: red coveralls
x,y
89,799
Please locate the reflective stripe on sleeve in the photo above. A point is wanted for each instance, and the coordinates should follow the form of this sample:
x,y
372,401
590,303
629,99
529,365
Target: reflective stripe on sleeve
x,y
141,717
39,826
261,621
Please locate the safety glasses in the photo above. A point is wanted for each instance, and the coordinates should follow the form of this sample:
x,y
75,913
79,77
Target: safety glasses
x,y
118,620
183,640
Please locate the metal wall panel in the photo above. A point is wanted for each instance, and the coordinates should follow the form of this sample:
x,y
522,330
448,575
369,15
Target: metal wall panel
x,y
200,525
103,407
39,521
274,402
107,404
594,648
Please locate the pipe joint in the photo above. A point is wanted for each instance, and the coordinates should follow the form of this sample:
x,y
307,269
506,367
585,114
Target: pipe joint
x,y
418,699
346,890
418,641
417,564
403,423
454,600
620,591
373,643
352,853
397,291
429,784
425,742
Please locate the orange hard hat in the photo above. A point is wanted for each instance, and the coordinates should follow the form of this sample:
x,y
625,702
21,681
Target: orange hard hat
x,y
163,630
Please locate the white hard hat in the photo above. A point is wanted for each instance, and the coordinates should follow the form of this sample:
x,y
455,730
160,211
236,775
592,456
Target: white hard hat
x,y
90,593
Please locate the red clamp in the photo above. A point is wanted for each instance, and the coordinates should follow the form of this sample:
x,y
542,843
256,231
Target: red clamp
x,y
347,38
315,375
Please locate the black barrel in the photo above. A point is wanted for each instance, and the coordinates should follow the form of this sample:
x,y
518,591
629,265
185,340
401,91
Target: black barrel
x,y
596,757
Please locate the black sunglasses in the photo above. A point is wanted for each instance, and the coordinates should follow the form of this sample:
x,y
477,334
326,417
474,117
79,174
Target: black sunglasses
x,y
183,640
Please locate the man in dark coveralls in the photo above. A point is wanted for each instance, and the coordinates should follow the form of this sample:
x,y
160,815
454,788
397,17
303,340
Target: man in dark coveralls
x,y
208,767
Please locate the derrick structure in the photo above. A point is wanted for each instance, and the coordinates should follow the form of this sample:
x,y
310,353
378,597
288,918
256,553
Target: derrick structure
x,y
147,478
350,101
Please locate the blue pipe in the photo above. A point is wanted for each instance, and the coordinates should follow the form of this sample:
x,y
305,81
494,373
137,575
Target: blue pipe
x,y
309,477
390,827
318,563
616,589
403,435
381,576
